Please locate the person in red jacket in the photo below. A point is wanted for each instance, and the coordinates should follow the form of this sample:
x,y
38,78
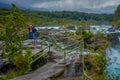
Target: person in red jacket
x,y
30,32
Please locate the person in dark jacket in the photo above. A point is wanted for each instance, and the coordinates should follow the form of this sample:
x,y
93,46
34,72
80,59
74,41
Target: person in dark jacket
x,y
34,35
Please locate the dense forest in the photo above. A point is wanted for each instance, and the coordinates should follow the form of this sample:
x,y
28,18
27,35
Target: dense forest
x,y
60,18
67,15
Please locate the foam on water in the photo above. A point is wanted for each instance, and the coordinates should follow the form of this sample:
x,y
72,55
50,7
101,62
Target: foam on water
x,y
113,57
119,38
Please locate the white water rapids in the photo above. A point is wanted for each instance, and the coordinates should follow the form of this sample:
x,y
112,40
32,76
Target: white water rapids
x,y
113,57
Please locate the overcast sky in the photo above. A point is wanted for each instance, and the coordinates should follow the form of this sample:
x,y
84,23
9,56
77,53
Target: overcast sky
x,y
104,6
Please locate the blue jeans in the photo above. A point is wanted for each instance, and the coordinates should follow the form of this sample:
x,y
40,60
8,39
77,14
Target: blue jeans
x,y
30,35
34,36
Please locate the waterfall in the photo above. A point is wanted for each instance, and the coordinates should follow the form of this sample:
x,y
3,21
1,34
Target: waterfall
x,y
113,57
119,38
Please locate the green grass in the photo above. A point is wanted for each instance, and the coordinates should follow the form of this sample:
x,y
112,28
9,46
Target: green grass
x,y
3,78
11,75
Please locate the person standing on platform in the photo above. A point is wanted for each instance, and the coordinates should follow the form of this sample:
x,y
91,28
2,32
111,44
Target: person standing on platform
x,y
30,32
34,35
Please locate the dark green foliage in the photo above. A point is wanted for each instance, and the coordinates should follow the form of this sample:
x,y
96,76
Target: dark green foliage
x,y
88,64
2,36
100,61
20,62
61,18
13,30
116,19
3,78
117,13
66,17
77,15
28,57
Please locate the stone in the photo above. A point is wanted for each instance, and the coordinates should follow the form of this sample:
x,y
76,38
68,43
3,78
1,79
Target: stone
x,y
1,44
3,62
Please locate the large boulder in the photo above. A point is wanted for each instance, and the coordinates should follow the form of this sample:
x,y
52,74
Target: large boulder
x,y
5,65
0,42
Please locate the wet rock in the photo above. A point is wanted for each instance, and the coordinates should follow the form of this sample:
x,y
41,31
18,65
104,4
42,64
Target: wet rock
x,y
58,72
0,44
3,62
5,65
50,57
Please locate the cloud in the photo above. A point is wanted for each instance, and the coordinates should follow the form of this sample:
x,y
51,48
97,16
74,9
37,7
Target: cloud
x,y
24,3
72,5
106,3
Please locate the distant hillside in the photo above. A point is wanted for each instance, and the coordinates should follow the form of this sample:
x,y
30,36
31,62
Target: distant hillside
x,y
77,15
61,17
69,15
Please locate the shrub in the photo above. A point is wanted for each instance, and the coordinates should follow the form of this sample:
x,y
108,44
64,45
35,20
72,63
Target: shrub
x,y
100,61
20,62
3,78
13,74
88,64
28,58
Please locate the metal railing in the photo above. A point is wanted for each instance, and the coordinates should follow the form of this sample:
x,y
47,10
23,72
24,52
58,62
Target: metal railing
x,y
54,42
38,55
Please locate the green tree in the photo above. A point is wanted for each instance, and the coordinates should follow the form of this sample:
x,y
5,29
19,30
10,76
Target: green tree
x,y
116,21
13,33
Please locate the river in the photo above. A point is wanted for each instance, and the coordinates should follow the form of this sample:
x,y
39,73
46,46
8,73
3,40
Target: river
x,y
113,56
112,52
